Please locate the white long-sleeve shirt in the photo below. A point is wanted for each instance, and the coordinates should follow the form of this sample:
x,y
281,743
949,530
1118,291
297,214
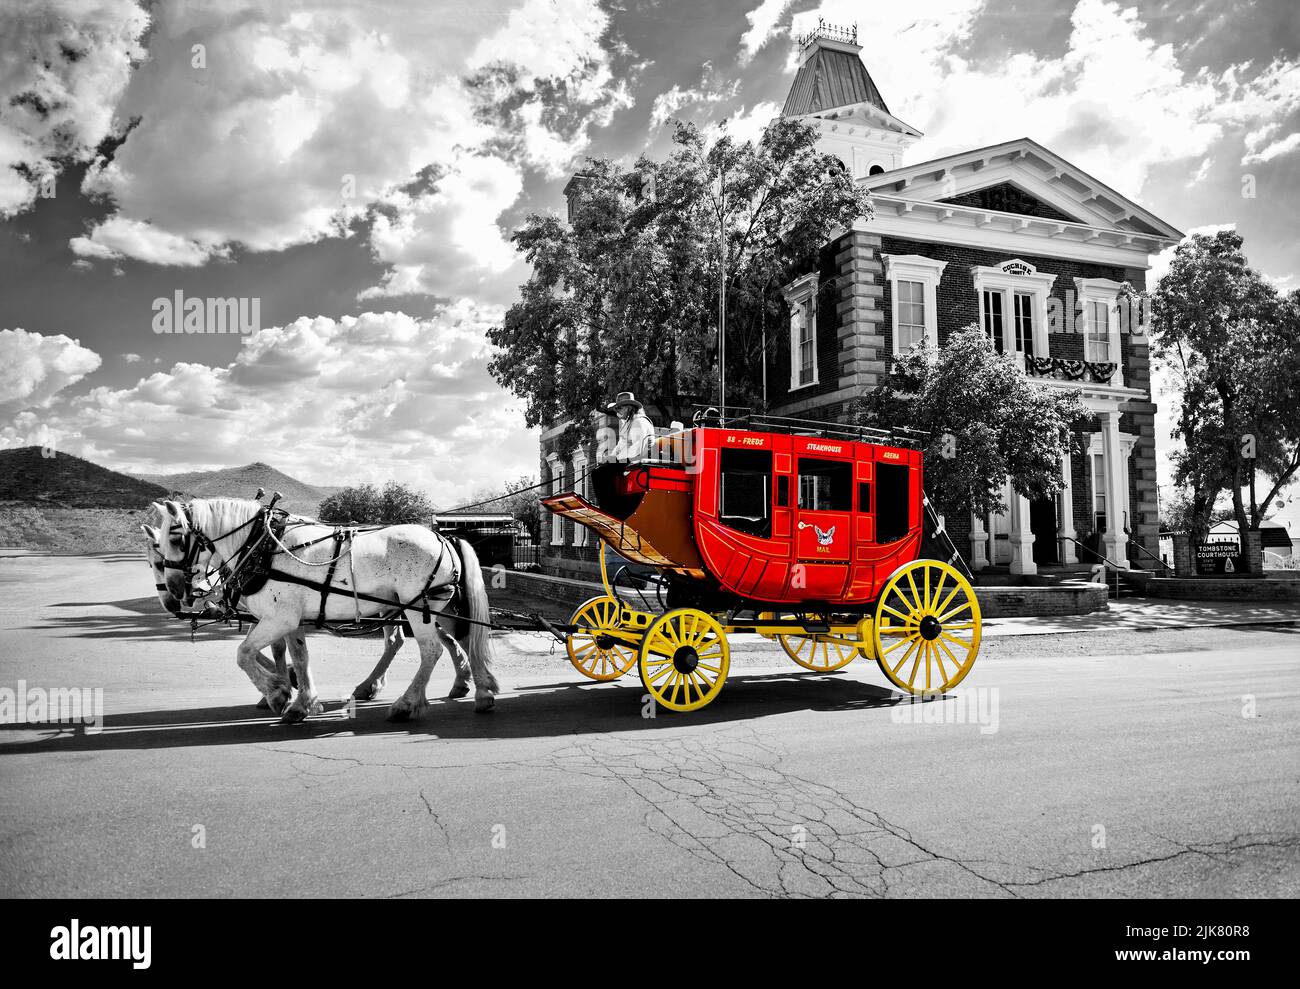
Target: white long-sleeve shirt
x,y
635,433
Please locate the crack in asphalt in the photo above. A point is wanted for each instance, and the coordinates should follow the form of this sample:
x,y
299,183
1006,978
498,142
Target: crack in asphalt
x,y
437,821
722,796
419,890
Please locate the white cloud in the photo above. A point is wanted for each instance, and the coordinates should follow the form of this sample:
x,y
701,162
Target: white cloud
x,y
1160,262
447,238
419,407
34,367
1285,146
63,67
1115,102
119,237
305,116
762,27
747,125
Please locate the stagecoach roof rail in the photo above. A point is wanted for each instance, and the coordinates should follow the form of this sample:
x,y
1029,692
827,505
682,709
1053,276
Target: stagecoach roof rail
x,y
816,427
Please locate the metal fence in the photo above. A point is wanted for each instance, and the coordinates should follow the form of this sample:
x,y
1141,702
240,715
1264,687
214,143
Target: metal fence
x,y
525,553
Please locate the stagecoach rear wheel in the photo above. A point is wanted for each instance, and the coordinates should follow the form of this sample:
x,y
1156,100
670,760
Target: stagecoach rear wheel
x,y
684,659
821,654
927,628
592,651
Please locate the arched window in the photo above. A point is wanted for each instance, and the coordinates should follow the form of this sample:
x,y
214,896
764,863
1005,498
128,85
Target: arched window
x,y
875,169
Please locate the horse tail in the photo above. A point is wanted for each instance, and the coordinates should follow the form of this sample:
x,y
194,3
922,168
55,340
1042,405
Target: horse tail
x,y
474,593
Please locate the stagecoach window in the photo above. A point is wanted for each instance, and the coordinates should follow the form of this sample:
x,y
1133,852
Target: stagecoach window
x,y
746,495
864,496
893,501
825,485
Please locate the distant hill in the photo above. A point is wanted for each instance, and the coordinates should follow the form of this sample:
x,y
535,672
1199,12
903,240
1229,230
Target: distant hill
x,y
243,482
65,481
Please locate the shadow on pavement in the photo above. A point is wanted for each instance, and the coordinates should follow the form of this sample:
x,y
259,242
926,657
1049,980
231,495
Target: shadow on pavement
x,y
562,709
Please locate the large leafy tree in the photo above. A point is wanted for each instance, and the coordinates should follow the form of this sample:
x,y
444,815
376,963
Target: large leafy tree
x,y
987,422
1233,344
367,505
626,296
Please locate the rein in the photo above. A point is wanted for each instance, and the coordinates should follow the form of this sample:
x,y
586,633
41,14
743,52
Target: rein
x,y
196,541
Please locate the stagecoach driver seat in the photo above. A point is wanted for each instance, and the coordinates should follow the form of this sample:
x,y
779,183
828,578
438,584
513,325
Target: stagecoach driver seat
x,y
635,430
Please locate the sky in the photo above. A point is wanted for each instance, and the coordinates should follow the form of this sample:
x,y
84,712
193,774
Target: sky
x,y
357,169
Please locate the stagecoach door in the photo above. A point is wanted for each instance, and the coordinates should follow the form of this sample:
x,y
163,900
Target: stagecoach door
x,y
823,523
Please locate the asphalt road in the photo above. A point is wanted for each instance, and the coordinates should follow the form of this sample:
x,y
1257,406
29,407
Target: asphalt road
x,y
1093,765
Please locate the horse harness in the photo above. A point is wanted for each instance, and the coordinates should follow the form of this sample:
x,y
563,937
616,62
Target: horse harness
x,y
251,567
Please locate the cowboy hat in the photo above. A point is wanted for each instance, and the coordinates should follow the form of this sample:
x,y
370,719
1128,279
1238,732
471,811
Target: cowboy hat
x,y
624,398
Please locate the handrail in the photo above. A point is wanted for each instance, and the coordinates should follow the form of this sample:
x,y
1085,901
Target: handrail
x,y
1143,549
1115,566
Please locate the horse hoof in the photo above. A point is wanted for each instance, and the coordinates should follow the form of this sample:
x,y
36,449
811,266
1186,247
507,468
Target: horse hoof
x,y
365,692
293,716
483,705
404,711
458,690
278,701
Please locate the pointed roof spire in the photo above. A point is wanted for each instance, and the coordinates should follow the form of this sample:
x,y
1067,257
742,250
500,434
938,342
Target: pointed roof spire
x,y
831,73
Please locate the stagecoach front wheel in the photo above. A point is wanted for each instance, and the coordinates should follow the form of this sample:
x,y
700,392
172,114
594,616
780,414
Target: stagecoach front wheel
x,y
592,650
819,653
684,659
927,628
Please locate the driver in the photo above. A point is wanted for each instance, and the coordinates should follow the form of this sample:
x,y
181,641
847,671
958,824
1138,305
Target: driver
x,y
635,430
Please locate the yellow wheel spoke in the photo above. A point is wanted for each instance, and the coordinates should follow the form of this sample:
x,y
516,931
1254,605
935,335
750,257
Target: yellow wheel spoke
x,y
939,661
943,645
907,619
916,664
938,589
948,600
900,642
965,646
955,611
916,595
907,655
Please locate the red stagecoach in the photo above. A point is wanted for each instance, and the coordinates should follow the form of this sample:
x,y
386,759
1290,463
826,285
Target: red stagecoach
x,y
809,533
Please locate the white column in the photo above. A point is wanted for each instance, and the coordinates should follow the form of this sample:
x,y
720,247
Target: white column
x,y
1022,537
1065,524
979,542
1114,543
580,488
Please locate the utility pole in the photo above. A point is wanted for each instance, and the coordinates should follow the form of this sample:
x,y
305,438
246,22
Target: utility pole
x,y
722,292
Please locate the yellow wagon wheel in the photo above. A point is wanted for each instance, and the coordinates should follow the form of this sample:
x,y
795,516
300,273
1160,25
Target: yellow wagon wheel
x,y
927,629
815,653
592,651
684,659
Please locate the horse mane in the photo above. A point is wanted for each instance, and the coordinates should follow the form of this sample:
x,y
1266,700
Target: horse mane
x,y
216,516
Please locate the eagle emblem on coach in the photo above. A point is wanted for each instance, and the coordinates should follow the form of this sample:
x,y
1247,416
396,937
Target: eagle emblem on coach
x,y
824,536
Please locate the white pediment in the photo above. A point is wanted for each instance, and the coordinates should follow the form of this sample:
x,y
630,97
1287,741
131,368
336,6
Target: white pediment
x,y
1033,170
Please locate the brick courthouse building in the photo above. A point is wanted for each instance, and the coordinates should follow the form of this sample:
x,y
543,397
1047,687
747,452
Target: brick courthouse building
x,y
1011,237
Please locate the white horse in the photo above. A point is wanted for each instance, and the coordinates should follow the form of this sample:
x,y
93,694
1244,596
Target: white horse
x,y
366,690
402,569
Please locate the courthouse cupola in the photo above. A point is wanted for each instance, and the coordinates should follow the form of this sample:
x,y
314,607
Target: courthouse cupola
x,y
834,92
